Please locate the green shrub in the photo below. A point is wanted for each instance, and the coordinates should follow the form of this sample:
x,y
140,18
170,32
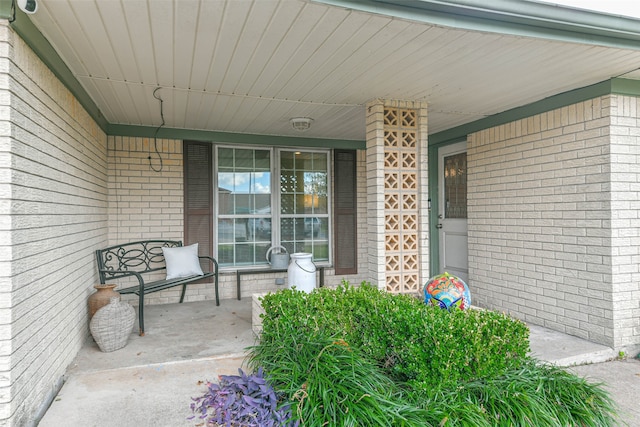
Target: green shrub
x,y
361,357
412,342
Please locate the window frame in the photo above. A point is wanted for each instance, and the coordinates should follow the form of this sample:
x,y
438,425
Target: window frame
x,y
276,200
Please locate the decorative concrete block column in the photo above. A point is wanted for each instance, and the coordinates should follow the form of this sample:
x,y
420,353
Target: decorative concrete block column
x,y
397,194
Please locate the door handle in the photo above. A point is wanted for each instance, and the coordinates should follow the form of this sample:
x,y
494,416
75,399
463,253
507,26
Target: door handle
x,y
438,225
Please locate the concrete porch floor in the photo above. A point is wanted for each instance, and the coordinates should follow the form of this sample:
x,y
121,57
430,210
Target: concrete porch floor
x,y
151,381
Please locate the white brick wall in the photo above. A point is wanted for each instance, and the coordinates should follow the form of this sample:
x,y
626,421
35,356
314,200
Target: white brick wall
x,y
362,223
375,193
145,203
552,209
53,215
625,218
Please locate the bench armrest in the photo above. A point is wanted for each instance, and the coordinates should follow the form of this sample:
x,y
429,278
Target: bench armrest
x,y
215,273
123,273
212,260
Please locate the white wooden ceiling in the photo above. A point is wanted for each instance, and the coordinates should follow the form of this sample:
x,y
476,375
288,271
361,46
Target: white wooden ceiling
x,y
250,65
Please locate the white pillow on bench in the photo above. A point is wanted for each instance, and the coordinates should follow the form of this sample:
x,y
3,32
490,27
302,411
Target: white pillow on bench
x,y
182,261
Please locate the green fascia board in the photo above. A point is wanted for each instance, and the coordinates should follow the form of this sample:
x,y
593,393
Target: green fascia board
x,y
519,18
6,9
629,87
613,86
41,46
232,138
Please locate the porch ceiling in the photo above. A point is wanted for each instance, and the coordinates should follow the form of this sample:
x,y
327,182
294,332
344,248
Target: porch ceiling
x,y
249,66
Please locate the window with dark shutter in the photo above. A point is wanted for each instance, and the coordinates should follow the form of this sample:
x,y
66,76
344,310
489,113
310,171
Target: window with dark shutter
x,y
238,232
345,212
198,196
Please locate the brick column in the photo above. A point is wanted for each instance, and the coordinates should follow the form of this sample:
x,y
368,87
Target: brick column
x,y
397,191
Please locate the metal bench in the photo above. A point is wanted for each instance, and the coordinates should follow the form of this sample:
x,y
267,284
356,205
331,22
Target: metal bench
x,y
240,273
141,259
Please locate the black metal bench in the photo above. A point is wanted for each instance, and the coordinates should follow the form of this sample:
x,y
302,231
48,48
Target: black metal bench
x,y
240,273
142,258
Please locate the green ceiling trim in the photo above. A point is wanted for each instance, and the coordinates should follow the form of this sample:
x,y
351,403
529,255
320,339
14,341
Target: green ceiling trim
x,y
614,86
6,9
41,46
232,138
528,19
628,87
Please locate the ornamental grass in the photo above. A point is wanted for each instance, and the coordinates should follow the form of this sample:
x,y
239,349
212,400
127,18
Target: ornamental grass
x,y
357,356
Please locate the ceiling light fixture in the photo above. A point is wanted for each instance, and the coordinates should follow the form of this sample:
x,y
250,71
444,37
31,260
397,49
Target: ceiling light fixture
x,y
28,6
301,123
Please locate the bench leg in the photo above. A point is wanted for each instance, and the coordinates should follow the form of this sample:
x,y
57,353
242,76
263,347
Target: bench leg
x,y
216,287
141,313
184,290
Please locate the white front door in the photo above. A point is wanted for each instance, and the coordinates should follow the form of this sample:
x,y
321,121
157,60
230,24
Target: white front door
x,y
452,210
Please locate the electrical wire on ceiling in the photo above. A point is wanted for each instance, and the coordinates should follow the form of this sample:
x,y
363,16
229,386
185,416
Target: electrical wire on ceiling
x,y
155,135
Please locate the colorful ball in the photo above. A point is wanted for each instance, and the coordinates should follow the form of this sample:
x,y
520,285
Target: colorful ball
x,y
447,292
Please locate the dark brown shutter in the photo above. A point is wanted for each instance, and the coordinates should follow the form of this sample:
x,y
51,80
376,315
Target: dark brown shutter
x,y
198,196
345,241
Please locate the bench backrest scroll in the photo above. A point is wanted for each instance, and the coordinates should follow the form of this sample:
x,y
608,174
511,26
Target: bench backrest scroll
x,y
123,260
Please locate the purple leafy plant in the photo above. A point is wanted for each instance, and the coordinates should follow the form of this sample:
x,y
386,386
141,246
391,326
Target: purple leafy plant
x,y
244,400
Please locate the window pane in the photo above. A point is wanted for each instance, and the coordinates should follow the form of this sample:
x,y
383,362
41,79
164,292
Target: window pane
x,y
286,160
321,251
304,161
263,203
287,181
304,226
260,182
322,206
260,229
323,228
244,254
225,158
320,162
263,160
455,186
300,228
286,230
244,206
225,201
287,203
225,254
302,247
261,253
226,181
243,159
300,204
233,230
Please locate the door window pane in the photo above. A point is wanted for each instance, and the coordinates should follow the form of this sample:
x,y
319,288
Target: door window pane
x,y
455,186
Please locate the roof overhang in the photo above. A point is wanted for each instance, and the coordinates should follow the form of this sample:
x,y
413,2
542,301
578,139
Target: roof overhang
x,y
475,65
